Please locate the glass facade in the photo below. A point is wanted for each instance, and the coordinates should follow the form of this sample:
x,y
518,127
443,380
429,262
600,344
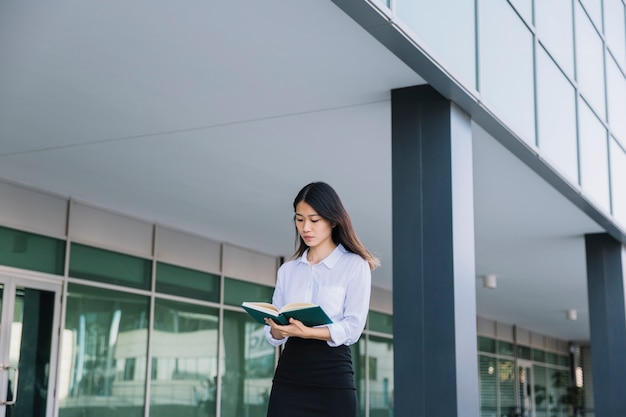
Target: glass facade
x,y
176,344
540,67
531,383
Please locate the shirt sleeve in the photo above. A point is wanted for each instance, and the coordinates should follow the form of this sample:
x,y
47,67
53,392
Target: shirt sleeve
x,y
277,300
355,309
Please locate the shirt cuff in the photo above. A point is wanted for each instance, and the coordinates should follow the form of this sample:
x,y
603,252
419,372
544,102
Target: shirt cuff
x,y
337,335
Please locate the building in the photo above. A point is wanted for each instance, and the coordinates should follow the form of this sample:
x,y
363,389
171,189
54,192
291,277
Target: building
x,y
149,153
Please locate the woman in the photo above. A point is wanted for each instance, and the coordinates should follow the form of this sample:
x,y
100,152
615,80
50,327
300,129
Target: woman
x,y
331,268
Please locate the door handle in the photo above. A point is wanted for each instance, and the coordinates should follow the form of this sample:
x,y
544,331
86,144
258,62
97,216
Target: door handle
x,y
17,373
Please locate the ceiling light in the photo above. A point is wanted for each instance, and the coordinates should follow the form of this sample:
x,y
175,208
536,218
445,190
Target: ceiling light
x,y
572,315
489,281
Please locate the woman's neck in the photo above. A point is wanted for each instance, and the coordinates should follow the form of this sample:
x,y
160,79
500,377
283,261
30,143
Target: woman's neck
x,y
317,254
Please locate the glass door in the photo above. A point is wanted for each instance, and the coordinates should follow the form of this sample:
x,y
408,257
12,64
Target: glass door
x,y
28,346
525,389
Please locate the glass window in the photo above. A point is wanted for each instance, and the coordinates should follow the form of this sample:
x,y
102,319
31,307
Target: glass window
x,y
486,344
558,381
524,8
185,282
523,352
594,9
506,382
506,68
104,348
556,117
541,391
488,386
111,267
448,28
357,352
614,30
248,367
505,348
589,62
616,97
30,251
594,154
553,20
539,355
184,360
380,353
236,292
618,181
380,322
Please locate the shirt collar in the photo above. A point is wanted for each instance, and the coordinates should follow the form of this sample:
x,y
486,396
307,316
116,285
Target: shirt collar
x,y
331,259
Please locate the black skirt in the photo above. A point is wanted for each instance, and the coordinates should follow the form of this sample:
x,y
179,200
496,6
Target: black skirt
x,y
313,379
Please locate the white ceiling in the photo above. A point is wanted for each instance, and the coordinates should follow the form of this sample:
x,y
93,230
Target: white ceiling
x,y
210,116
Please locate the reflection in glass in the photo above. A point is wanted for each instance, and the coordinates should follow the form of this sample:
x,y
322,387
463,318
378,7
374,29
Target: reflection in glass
x,y
506,380
594,162
556,117
488,386
29,351
553,20
357,351
589,62
541,391
184,360
248,365
103,359
506,68
380,361
618,181
616,97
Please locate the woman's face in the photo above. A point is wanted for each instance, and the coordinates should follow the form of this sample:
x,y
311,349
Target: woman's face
x,y
312,228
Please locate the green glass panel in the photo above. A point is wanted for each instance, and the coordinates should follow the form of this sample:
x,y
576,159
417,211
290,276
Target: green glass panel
x,y
380,362
357,352
111,267
236,292
539,355
186,282
30,251
184,360
488,386
552,358
380,322
249,367
563,360
541,391
486,344
506,382
104,353
505,348
523,352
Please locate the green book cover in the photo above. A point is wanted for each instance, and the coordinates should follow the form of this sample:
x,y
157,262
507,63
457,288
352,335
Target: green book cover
x,y
309,314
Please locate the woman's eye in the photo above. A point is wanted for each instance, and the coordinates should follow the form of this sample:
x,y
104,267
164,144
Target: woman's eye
x,y
315,221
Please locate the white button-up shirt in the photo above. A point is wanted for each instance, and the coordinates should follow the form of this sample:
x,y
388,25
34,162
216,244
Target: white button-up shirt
x,y
340,284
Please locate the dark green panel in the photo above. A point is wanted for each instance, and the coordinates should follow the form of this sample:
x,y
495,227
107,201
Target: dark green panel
x,y
539,355
236,292
111,267
523,352
486,344
380,322
186,282
30,251
505,348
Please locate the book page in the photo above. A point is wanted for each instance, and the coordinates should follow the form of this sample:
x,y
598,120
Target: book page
x,y
265,307
296,306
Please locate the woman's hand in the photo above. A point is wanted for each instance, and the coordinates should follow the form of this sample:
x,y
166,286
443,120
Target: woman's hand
x,y
295,328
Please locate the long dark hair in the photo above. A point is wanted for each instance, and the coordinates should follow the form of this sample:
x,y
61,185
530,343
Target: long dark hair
x,y
326,202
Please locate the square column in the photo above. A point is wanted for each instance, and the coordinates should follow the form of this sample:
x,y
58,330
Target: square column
x,y
607,321
434,278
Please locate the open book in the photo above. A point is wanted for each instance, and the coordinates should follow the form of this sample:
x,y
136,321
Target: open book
x,y
309,314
